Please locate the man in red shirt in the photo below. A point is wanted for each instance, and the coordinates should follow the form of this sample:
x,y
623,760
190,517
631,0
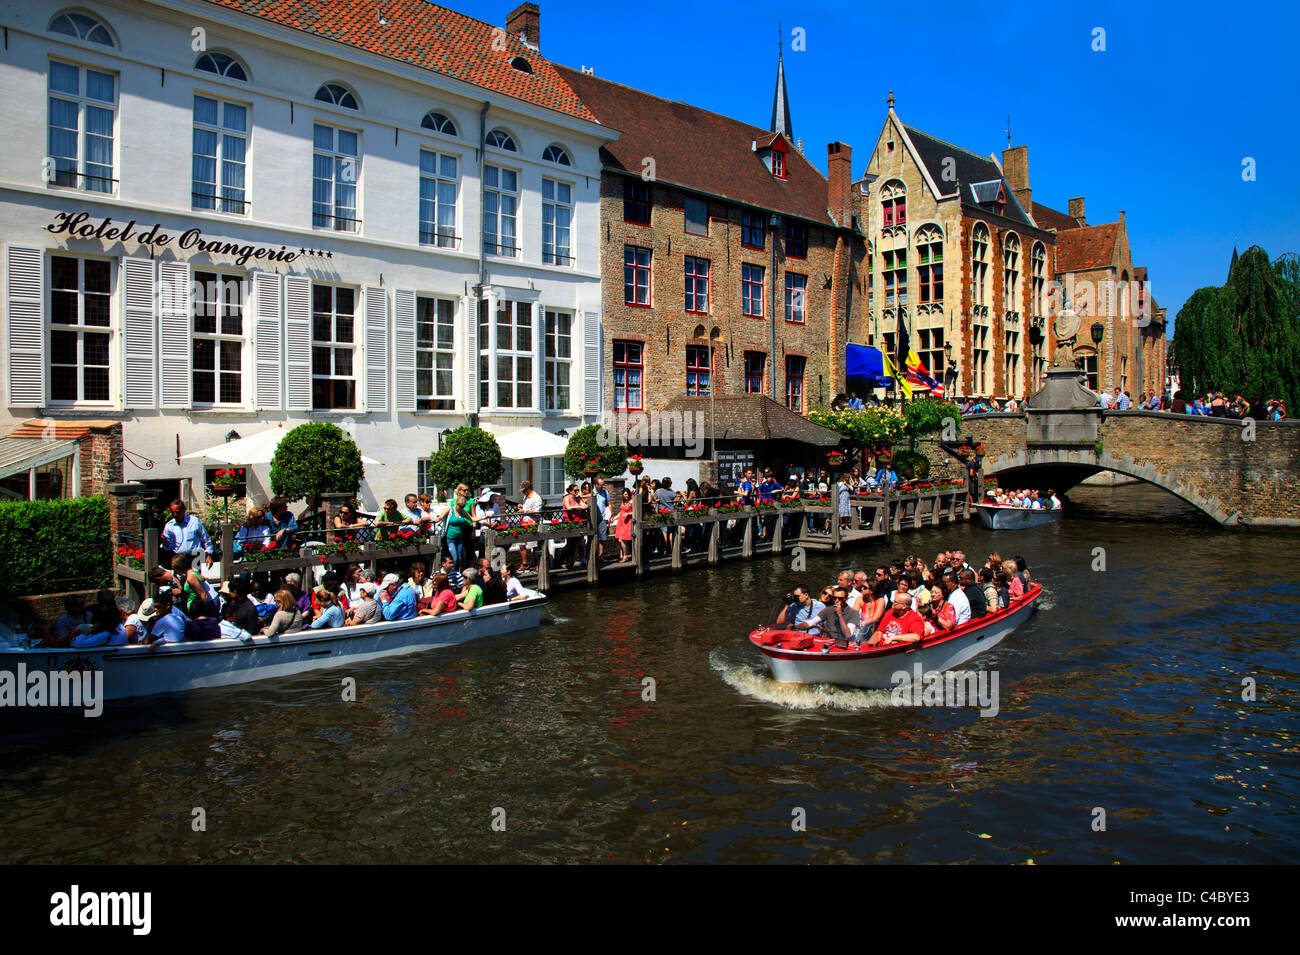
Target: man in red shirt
x,y
900,624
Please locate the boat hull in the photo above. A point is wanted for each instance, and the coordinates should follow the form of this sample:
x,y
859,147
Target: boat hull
x,y
136,671
1000,518
875,669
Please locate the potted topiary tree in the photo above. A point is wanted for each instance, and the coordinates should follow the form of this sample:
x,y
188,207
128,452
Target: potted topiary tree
x,y
597,444
468,455
316,458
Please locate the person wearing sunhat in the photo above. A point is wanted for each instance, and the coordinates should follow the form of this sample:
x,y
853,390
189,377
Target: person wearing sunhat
x,y
167,624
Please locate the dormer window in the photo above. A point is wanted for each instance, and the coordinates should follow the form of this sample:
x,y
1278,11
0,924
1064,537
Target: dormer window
x,y
500,139
222,64
522,65
83,27
778,164
439,123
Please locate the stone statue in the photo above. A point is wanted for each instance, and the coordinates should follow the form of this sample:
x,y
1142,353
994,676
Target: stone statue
x,y
1066,327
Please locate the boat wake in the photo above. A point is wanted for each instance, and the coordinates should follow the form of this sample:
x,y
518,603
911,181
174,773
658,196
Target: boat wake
x,y
754,680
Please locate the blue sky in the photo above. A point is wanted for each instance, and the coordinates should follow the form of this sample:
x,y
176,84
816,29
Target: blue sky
x,y
1158,124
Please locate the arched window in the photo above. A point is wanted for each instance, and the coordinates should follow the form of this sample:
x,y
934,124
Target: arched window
x,y
500,139
223,64
522,65
979,266
981,382
1038,278
337,95
893,203
82,26
556,154
929,264
439,123
1011,274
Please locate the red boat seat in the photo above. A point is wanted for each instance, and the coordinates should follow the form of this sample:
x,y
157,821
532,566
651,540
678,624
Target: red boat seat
x,y
797,641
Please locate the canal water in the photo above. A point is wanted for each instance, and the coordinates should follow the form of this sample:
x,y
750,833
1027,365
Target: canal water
x,y
1121,702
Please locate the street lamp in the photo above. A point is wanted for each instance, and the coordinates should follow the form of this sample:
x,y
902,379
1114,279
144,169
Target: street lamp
x,y
1098,332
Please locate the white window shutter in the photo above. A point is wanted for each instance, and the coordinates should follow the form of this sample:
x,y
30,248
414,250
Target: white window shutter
x,y
471,353
375,302
139,334
175,336
591,355
25,272
539,356
297,340
404,348
268,347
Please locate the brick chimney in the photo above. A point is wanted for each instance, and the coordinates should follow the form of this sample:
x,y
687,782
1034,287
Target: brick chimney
x,y
1076,210
1015,169
525,22
839,186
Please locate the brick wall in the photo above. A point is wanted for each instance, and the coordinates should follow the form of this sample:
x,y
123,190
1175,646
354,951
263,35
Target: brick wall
x,y
101,460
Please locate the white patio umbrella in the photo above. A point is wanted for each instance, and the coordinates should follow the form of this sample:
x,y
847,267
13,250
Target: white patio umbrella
x,y
255,449
523,444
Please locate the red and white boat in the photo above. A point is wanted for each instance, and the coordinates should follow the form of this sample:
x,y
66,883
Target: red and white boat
x,y
796,657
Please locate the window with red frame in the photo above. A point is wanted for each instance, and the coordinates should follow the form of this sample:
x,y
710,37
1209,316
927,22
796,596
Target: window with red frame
x,y
636,275
636,201
751,290
755,363
697,284
794,366
627,376
796,298
778,163
796,240
894,210
699,369
751,230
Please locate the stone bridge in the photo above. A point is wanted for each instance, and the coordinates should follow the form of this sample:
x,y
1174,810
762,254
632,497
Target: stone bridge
x,y
1238,472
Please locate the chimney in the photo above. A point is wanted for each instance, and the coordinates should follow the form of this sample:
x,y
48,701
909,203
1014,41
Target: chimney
x,y
1015,169
839,192
1076,210
525,22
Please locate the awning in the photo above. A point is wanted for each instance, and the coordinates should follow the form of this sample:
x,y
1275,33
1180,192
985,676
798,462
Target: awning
x,y
738,418
524,444
23,454
255,449
865,363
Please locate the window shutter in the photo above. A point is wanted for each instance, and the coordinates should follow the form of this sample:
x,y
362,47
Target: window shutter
x,y
267,341
26,282
174,335
297,340
140,363
404,348
471,354
375,302
591,353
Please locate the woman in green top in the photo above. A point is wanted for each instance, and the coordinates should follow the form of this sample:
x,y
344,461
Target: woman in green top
x,y
459,525
193,594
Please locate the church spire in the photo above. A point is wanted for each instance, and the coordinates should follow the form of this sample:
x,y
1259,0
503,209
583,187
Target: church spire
x,y
781,103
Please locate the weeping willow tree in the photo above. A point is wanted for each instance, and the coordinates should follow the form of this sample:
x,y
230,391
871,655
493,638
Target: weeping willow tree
x,y
1244,338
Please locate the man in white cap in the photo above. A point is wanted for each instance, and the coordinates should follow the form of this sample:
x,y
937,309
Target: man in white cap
x,y
396,599
365,610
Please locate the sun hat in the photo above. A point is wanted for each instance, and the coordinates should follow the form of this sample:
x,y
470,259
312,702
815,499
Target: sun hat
x,y
147,610
486,496
389,580
368,587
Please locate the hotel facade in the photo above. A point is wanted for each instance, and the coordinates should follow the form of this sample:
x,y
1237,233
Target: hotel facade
x,y
224,216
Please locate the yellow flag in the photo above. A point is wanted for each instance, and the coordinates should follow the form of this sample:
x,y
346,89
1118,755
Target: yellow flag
x,y
900,381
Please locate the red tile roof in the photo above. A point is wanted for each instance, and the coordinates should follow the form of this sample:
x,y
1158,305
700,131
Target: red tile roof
x,y
1140,273
38,429
699,150
1087,247
1049,218
429,36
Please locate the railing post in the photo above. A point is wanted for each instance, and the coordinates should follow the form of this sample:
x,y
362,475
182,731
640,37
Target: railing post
x,y
150,555
543,564
715,541
227,551
778,531
594,548
747,545
677,546
835,526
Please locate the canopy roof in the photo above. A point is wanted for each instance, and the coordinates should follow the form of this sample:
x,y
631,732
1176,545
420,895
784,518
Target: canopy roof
x,y
255,449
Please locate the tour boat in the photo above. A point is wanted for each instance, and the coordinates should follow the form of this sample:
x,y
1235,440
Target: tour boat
x,y
1004,517
136,670
796,657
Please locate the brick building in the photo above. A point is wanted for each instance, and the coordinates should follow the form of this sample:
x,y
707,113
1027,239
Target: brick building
x,y
1094,264
956,256
727,259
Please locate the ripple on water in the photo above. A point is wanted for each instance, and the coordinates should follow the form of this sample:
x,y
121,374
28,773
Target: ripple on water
x,y
753,681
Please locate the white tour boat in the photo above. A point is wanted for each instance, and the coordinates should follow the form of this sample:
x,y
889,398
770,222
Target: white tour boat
x,y
137,670
1004,517
795,657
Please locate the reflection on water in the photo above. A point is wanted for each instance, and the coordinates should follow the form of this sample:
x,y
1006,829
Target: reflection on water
x,y
1124,691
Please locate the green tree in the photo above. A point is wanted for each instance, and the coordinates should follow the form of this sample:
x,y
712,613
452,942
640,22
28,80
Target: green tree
x,y
874,427
926,416
594,443
316,458
469,456
1245,336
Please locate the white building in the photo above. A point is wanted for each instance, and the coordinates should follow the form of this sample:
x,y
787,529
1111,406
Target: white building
x,y
215,221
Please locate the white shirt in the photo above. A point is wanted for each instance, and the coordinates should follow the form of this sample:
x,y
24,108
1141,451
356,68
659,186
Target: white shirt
x,y
1055,502
532,503
855,598
515,589
961,605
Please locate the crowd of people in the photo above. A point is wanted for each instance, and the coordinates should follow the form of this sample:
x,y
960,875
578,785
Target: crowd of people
x,y
1029,498
185,607
906,601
